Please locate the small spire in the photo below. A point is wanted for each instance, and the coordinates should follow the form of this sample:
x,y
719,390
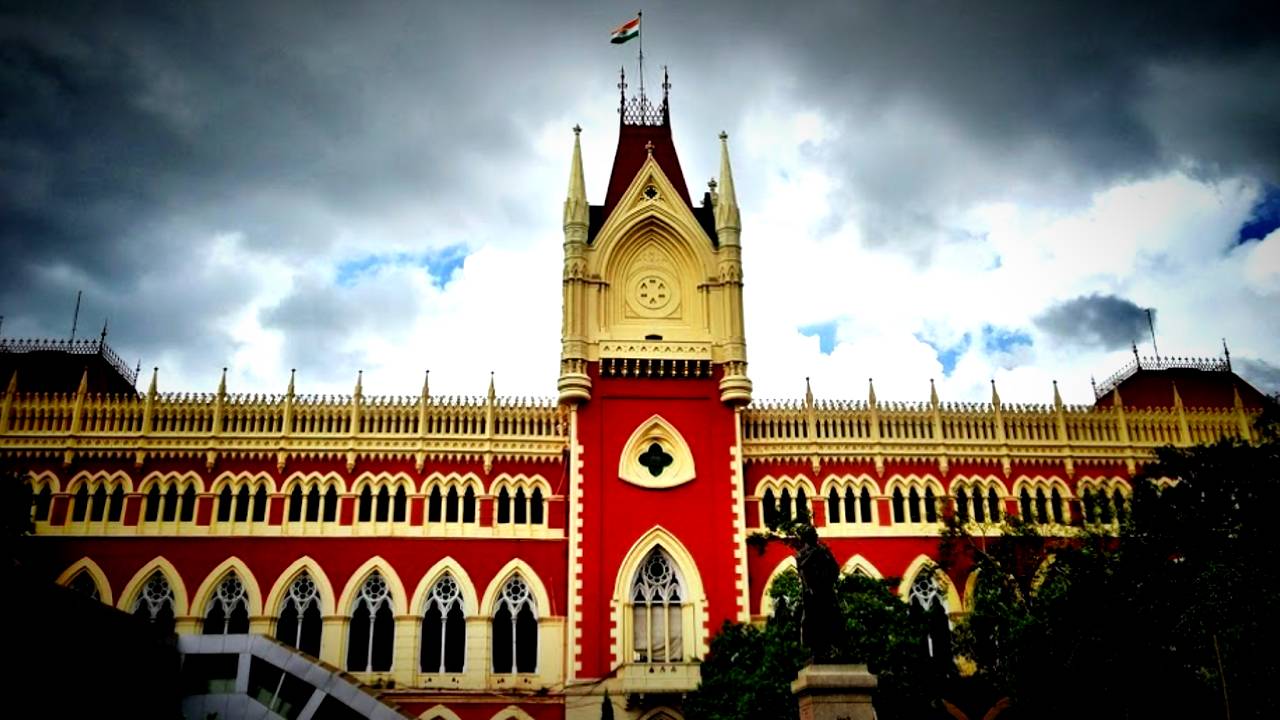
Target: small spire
x,y
575,204
1136,359
492,394
292,372
1177,399
871,393
995,396
622,91
1057,398
13,383
933,394
808,392
359,383
1236,400
84,382
648,147
727,215
155,375
222,383
102,337
1226,354
426,385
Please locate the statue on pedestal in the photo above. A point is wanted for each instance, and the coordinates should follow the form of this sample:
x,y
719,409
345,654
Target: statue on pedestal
x,y
818,573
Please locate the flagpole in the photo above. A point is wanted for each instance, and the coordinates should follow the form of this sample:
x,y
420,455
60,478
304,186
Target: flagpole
x,y
640,34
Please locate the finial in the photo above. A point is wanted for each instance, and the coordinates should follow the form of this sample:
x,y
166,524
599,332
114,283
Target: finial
x,y
712,184
359,383
1057,398
622,90
1094,383
13,383
577,129
155,375
808,392
222,383
933,394
995,396
728,218
426,384
102,338
871,392
648,147
1226,353
1177,399
492,394
292,373
1136,359
84,382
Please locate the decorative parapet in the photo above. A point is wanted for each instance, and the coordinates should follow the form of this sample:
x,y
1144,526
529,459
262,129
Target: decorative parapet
x,y
946,432
72,347
1130,368
283,426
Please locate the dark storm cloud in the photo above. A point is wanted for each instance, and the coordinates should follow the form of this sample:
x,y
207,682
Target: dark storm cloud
x,y
1106,322
1260,373
131,134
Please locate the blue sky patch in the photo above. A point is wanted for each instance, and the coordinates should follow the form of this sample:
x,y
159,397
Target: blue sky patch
x,y
1003,340
947,355
826,334
440,264
1264,217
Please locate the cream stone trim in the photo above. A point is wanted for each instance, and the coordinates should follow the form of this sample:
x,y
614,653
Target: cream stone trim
x,y
1107,484
438,712
656,430
695,620
242,479
470,599
317,479
129,595
843,527
737,482
970,590
377,481
168,478
766,600
512,712
111,480
89,567
921,564
1031,483
399,598
204,594
856,563
573,665
982,482
45,478
662,713
462,481
857,482
516,566
786,482
274,603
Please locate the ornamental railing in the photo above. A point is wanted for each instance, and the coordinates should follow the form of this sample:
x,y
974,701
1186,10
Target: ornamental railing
x,y
1159,363
71,347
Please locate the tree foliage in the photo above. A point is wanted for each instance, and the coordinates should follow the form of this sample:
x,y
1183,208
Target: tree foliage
x,y
1170,611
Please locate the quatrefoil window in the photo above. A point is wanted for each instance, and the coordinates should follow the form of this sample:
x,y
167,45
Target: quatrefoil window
x,y
650,192
656,459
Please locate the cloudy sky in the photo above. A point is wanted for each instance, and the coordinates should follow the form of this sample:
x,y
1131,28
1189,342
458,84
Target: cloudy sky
x,y
958,191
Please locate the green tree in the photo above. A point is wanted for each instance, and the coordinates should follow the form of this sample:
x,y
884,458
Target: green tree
x,y
1174,612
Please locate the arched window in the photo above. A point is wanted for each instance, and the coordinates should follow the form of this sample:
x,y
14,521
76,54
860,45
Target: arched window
x,y
1058,516
515,629
913,505
769,508
299,624
153,505
399,504
260,504
228,611
224,504
1024,503
80,504
930,505
313,504
444,629
784,506
295,504
535,507
44,499
898,506
83,583
383,507
864,506
521,514
656,620
331,505
242,504
833,506
364,510
962,506
155,602
1121,507
927,599
98,507
802,506
504,506
1042,509
370,643
469,505
169,511
451,505
187,511
434,501
851,507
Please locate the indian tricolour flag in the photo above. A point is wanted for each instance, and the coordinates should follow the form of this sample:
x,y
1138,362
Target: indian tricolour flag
x,y
625,31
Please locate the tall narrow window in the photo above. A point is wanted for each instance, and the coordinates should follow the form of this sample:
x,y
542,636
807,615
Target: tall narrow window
x,y
187,509
83,583
260,504
802,506
898,506
80,504
930,505
299,624
926,598
451,505
515,629
228,611
833,506
850,506
224,504
1024,504
399,504
962,506
444,629
657,622
313,504
1121,508
784,506
521,514
993,505
469,505
1058,516
504,506
155,602
115,506
864,505
769,508
44,498
1042,509
434,503
153,505
913,505
169,510
370,643
383,507
364,509
535,507
98,505
242,504
295,504
331,504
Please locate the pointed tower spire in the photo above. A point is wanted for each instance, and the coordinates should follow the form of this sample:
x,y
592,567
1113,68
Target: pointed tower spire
x,y
575,204
808,394
426,385
155,374
492,394
222,383
359,383
727,215
12,387
871,393
933,393
292,373
995,396
1057,397
1226,354
84,382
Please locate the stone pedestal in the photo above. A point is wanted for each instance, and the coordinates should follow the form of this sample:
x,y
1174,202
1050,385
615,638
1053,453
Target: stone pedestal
x,y
834,692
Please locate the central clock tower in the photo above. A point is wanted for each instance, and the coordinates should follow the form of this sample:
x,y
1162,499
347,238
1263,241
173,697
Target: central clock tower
x,y
653,372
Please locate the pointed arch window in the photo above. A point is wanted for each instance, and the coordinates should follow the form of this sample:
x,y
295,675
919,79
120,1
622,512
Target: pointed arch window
x,y
84,584
784,506
864,505
469,505
153,505
313,504
242,504
98,507
331,505
1059,516
833,506
169,509
657,611
535,507
155,602
383,505
993,505
928,600
899,503
364,511
399,504
444,629
434,503
372,637
228,611
80,504
44,499
450,505
260,504
300,624
930,506
962,507
295,504
769,508
515,629
224,504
